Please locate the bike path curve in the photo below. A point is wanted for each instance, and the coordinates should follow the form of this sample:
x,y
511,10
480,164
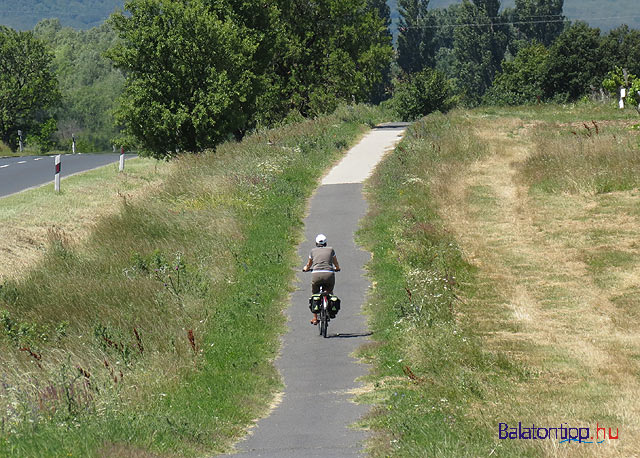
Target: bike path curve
x,y
316,410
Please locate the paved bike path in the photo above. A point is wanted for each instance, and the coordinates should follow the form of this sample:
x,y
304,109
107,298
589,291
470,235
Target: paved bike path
x,y
314,417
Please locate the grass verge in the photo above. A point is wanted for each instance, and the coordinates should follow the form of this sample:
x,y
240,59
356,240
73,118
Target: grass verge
x,y
157,334
27,218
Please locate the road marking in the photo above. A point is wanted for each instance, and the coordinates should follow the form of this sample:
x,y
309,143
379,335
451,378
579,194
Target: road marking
x,y
3,166
22,162
37,159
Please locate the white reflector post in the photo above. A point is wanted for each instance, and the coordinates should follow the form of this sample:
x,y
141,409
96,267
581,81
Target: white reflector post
x,y
57,176
122,158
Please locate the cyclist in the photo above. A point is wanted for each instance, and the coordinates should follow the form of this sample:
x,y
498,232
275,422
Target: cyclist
x,y
323,263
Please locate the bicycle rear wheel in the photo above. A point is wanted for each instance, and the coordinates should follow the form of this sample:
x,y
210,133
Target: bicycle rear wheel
x,y
324,321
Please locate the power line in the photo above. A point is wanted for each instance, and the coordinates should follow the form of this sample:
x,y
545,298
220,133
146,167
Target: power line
x,y
492,24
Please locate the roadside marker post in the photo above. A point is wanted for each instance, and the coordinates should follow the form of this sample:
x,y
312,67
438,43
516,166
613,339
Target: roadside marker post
x,y
73,143
20,139
57,176
122,158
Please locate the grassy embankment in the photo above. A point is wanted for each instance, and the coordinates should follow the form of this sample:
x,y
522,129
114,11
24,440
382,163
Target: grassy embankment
x,y
156,334
506,268
29,219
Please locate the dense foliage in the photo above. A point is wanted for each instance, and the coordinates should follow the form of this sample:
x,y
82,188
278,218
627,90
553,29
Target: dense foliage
x,y
199,72
89,84
27,83
525,54
422,93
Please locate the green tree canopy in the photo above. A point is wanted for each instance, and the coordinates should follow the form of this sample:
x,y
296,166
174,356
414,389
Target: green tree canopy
x,y
575,64
539,20
415,36
336,50
28,85
479,46
621,47
199,71
89,83
522,79
421,93
191,73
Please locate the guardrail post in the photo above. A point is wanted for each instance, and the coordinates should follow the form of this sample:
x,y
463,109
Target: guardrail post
x,y
57,175
122,158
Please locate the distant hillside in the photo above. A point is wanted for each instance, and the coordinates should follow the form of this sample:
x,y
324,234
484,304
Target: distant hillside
x,y
605,14
83,14
80,14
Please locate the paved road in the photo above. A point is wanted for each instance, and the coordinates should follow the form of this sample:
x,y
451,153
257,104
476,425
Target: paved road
x,y
20,173
314,417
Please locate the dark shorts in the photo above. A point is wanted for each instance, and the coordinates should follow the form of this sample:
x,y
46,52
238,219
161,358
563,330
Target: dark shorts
x,y
326,279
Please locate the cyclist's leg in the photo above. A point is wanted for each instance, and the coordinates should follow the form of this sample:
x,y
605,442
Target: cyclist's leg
x,y
330,282
316,282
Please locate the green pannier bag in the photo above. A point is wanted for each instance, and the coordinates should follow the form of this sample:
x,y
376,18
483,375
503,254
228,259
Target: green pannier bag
x,y
314,303
334,305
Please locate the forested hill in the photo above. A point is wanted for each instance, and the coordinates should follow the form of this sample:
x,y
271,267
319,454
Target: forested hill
x,y
604,14
24,14
80,14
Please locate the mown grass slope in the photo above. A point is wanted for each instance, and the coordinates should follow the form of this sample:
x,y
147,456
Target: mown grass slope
x,y
506,276
157,333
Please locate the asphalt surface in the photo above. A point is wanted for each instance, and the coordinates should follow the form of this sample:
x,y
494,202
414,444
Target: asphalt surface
x,y
316,412
20,173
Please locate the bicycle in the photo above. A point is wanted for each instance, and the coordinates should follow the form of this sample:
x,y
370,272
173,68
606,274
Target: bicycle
x,y
324,314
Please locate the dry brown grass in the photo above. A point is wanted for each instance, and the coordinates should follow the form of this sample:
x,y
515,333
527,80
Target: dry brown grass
x,y
565,271
27,218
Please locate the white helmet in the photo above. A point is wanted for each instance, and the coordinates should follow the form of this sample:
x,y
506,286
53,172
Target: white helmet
x,y
321,240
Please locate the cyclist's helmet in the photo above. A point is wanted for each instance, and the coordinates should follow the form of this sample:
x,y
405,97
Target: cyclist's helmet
x,y
321,240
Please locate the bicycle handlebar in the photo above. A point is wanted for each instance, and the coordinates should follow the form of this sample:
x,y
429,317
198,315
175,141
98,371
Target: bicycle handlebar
x,y
311,270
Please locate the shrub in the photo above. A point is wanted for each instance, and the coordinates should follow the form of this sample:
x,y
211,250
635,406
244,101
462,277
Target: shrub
x,y
422,93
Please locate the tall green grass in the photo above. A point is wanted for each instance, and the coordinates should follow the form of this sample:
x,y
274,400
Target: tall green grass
x,y
431,375
159,333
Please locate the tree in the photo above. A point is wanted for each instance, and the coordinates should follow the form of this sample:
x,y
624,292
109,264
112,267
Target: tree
x,y
422,93
381,90
522,79
621,47
334,51
575,63
89,84
415,36
479,46
28,85
191,72
200,71
539,20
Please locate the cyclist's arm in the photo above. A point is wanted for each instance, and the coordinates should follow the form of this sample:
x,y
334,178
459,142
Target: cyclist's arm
x,y
335,263
308,266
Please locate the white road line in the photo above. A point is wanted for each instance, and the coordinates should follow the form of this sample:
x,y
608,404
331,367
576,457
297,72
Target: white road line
x,y
22,162
3,166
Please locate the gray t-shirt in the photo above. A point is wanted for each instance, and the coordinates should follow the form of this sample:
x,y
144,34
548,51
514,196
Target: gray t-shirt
x,y
322,259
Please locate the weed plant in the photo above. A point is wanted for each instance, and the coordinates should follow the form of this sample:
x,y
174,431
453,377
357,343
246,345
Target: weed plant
x,y
160,330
